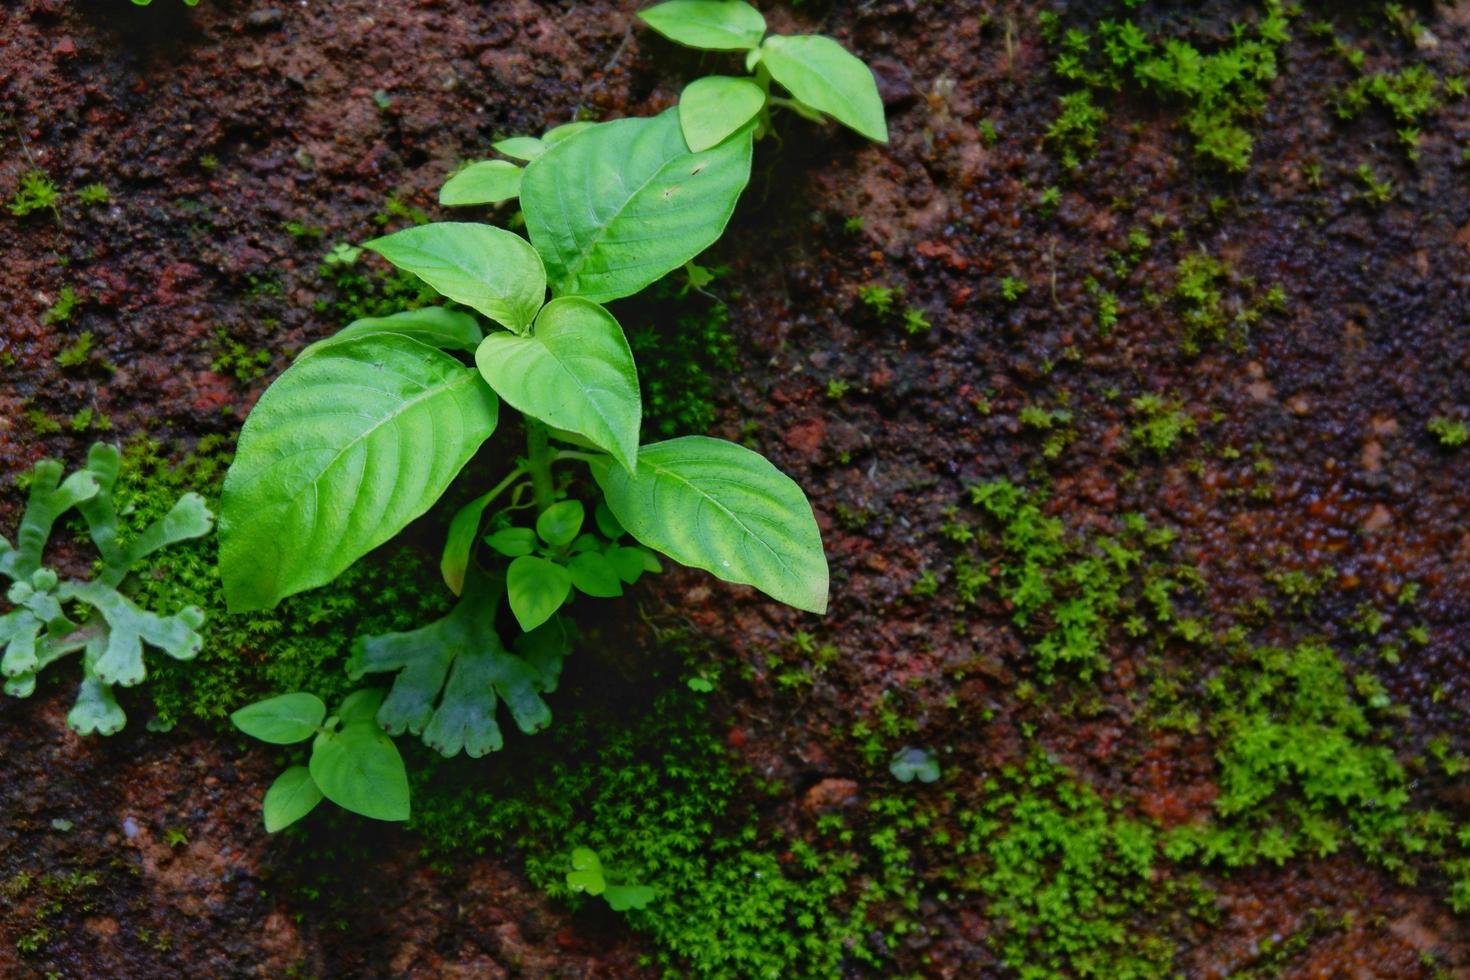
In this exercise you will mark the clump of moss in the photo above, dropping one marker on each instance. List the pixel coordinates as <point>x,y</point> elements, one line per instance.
<point>682,345</point>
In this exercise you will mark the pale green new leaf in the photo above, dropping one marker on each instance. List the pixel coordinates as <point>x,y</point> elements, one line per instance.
<point>715,25</point>
<point>346,448</point>
<point>575,371</point>
<point>359,769</point>
<point>826,76</point>
<point>484,182</point>
<point>718,506</point>
<point>714,107</point>
<point>292,796</point>
<point>621,898</point>
<point>536,589</point>
<point>487,269</point>
<point>626,202</point>
<point>525,148</point>
<point>433,325</point>
<point>282,720</point>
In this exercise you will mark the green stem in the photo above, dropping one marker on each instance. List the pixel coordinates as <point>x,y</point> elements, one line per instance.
<point>539,458</point>
<point>588,458</point>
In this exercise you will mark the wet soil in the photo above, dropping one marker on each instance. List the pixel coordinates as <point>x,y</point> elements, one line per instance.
<point>216,127</point>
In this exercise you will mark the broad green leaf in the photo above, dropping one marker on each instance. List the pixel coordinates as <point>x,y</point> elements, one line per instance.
<point>525,148</point>
<point>484,182</point>
<point>574,371</point>
<point>714,107</point>
<point>626,202</point>
<point>826,76</point>
<point>716,25</point>
<point>593,574</point>
<point>559,523</point>
<point>292,796</point>
<point>359,769</point>
<point>718,506</point>
<point>513,541</point>
<point>536,589</point>
<point>432,325</point>
<point>346,448</point>
<point>282,720</point>
<point>487,269</point>
<point>462,657</point>
<point>621,898</point>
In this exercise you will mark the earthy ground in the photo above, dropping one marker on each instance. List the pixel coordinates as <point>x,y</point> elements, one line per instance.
<point>239,140</point>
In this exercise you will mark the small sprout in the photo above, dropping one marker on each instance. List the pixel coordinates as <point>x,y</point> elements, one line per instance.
<point>989,135</point>
<point>853,225</point>
<point>588,877</point>
<point>209,163</point>
<point>877,298</point>
<point>36,191</point>
<point>837,388</point>
<point>61,310</point>
<point>909,764</point>
<point>700,684</point>
<point>1452,433</point>
<point>342,256</point>
<point>94,194</point>
<point>1012,289</point>
<point>914,321</point>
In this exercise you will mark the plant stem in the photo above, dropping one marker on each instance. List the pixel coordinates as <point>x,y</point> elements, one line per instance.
<point>562,454</point>
<point>538,461</point>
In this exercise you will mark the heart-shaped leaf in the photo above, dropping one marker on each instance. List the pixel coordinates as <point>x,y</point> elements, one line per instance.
<point>826,76</point>
<point>292,796</point>
<point>714,107</point>
<point>487,269</point>
<point>536,589</point>
<point>718,506</point>
<point>283,719</point>
<point>346,448</point>
<point>715,25</point>
<point>359,769</point>
<point>626,202</point>
<point>483,182</point>
<point>574,372</point>
<point>593,574</point>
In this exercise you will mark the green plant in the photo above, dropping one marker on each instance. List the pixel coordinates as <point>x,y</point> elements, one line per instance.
<point>587,875</point>
<point>1451,433</point>
<point>35,192</point>
<point>366,430</point>
<point>62,309</point>
<point>910,764</point>
<point>353,763</point>
<point>109,629</point>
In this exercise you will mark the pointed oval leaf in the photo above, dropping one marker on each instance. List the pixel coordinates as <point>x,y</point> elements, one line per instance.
<point>282,720</point>
<point>359,769</point>
<point>346,448</point>
<point>826,76</point>
<point>575,372</point>
<point>536,589</point>
<point>487,269</point>
<point>714,107</point>
<point>484,182</point>
<point>513,542</point>
<point>715,25</point>
<point>525,148</point>
<point>433,325</point>
<point>626,202</point>
<point>292,796</point>
<point>593,574</point>
<point>718,506</point>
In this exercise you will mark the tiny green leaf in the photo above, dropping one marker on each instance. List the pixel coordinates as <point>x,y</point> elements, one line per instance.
<point>484,182</point>
<point>521,147</point>
<point>574,372</point>
<point>621,898</point>
<point>292,796</point>
<point>715,25</point>
<point>433,325</point>
<point>909,764</point>
<point>595,575</point>
<point>536,589</point>
<point>714,107</point>
<point>487,269</point>
<point>359,769</point>
<point>826,76</point>
<point>626,202</point>
<point>586,874</point>
<point>513,542</point>
<point>558,524</point>
<point>283,719</point>
<point>718,506</point>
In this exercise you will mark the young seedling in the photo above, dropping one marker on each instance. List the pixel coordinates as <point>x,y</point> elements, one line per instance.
<point>588,876</point>
<point>353,763</point>
<point>53,617</point>
<point>909,764</point>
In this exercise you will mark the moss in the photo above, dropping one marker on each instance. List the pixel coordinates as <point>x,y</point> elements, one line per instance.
<point>682,345</point>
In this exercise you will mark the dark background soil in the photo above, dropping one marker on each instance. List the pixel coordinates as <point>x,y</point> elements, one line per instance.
<point>1336,391</point>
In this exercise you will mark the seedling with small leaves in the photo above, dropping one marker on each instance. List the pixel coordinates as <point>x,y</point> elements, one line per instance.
<point>353,762</point>
<point>53,617</point>
<point>589,877</point>
<point>910,764</point>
